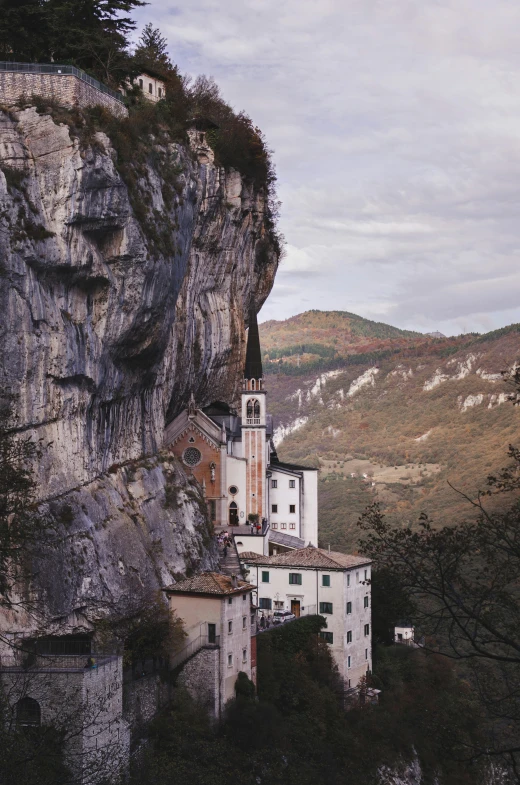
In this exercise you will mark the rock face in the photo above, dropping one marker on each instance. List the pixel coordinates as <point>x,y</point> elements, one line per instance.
<point>108,323</point>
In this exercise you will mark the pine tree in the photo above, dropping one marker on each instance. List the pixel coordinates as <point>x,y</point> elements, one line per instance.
<point>152,50</point>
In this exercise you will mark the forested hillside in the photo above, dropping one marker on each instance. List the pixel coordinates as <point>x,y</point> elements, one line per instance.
<point>400,425</point>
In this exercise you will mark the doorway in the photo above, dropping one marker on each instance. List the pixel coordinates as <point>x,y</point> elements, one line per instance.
<point>233,514</point>
<point>295,607</point>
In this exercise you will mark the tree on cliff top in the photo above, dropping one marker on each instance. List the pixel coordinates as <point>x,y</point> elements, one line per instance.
<point>152,51</point>
<point>92,34</point>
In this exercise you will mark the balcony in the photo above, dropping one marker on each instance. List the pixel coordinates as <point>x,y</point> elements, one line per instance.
<point>253,421</point>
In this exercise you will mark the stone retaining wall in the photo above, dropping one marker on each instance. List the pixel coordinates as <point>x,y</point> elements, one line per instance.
<point>201,677</point>
<point>64,89</point>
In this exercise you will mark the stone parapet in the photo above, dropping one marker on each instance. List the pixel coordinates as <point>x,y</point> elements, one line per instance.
<point>64,89</point>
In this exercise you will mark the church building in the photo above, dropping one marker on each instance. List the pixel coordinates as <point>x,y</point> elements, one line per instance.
<point>232,455</point>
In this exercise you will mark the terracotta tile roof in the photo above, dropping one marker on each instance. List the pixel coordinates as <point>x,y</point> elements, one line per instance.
<point>209,583</point>
<point>309,557</point>
<point>250,556</point>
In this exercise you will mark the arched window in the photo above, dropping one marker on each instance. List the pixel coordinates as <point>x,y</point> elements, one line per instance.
<point>28,712</point>
<point>253,411</point>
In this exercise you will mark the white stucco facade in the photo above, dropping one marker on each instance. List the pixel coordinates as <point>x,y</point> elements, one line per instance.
<point>313,581</point>
<point>153,88</point>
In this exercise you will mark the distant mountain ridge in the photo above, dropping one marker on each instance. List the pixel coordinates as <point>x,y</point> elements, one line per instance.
<point>387,418</point>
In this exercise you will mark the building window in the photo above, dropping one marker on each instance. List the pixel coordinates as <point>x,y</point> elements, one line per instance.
<point>283,526</point>
<point>327,636</point>
<point>141,83</point>
<point>348,579</point>
<point>348,661</point>
<point>159,91</point>
<point>244,655</point>
<point>349,636</point>
<point>230,627</point>
<point>367,629</point>
<point>253,412</point>
<point>365,601</point>
<point>278,604</point>
<point>292,483</point>
<point>366,654</point>
<point>253,384</point>
<point>230,601</point>
<point>28,712</point>
<point>292,526</point>
<point>150,87</point>
<point>265,577</point>
<point>357,577</point>
<point>274,526</point>
<point>191,456</point>
<point>274,483</point>
<point>274,508</point>
<point>366,575</point>
<point>325,580</point>
<point>295,578</point>
<point>230,660</point>
<point>349,607</point>
<point>325,607</point>
<point>233,490</point>
<point>212,633</point>
<point>292,508</point>
<point>244,622</point>
<point>264,603</point>
<point>244,597</point>
<point>212,509</point>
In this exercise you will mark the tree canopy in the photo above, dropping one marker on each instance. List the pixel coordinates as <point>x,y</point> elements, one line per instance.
<point>92,34</point>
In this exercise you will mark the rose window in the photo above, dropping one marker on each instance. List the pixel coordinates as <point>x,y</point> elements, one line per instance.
<point>192,456</point>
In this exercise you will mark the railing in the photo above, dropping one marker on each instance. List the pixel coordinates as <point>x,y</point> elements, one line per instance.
<point>56,662</point>
<point>202,641</point>
<point>261,532</point>
<point>252,420</point>
<point>38,68</point>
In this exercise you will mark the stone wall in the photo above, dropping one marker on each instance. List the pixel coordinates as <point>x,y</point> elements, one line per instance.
<point>201,675</point>
<point>142,699</point>
<point>86,704</point>
<point>64,89</point>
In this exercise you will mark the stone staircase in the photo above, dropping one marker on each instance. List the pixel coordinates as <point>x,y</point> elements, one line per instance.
<point>230,565</point>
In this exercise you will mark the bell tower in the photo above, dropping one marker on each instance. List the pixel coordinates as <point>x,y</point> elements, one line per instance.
<point>254,424</point>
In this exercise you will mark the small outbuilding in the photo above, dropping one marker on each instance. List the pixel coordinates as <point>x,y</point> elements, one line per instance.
<point>404,632</point>
<point>152,84</point>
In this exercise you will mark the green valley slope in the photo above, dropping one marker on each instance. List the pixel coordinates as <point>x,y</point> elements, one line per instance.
<point>391,415</point>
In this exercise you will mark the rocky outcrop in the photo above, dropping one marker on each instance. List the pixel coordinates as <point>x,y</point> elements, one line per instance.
<point>110,316</point>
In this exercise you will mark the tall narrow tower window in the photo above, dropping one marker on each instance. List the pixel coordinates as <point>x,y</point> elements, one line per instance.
<point>253,412</point>
<point>252,384</point>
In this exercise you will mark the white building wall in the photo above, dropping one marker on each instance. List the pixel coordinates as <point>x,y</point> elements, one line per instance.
<point>153,88</point>
<point>283,496</point>
<point>356,587</point>
<point>233,644</point>
<point>236,475</point>
<point>345,586</point>
<point>309,516</point>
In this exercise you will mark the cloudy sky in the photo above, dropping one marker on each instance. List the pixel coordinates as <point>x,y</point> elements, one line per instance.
<point>396,131</point>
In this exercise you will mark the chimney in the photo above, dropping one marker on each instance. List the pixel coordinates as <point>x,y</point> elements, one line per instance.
<point>234,582</point>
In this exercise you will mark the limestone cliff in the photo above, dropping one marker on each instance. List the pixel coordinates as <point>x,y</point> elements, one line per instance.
<point>108,322</point>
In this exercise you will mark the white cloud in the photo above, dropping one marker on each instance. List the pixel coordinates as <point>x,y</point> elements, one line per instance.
<point>395,128</point>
